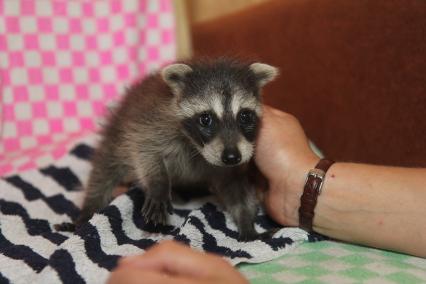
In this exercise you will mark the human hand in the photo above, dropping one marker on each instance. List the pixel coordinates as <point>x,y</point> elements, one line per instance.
<point>284,157</point>
<point>174,263</point>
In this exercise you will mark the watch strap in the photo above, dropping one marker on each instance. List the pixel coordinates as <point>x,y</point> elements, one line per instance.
<point>311,190</point>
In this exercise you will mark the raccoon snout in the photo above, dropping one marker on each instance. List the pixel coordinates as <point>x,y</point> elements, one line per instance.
<point>231,156</point>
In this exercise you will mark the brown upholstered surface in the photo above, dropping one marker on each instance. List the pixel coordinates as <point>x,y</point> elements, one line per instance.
<point>353,72</point>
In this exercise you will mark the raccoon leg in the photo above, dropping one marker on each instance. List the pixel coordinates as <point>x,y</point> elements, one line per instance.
<point>239,199</point>
<point>104,177</point>
<point>157,204</point>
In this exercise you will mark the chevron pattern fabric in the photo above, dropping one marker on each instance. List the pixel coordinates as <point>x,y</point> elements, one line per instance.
<point>32,202</point>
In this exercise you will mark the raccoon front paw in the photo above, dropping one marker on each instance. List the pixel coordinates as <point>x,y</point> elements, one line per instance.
<point>251,235</point>
<point>156,211</point>
<point>248,235</point>
<point>84,217</point>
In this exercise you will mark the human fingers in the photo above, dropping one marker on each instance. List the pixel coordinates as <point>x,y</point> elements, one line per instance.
<point>176,259</point>
<point>134,275</point>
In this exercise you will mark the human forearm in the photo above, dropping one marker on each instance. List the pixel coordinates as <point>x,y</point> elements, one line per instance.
<point>373,205</point>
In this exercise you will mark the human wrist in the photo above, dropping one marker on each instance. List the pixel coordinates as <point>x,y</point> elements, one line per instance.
<point>299,171</point>
<point>287,189</point>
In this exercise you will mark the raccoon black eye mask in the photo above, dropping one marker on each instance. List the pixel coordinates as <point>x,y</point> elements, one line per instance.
<point>189,124</point>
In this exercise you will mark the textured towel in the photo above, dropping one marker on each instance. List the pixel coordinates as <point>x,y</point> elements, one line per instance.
<point>33,201</point>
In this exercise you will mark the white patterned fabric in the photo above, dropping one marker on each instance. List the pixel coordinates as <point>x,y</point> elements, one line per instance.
<point>31,203</point>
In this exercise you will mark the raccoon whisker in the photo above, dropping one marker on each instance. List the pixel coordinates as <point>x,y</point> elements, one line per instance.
<point>193,154</point>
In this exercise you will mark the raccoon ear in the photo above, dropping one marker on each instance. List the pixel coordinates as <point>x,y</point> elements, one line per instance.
<point>264,73</point>
<point>174,74</point>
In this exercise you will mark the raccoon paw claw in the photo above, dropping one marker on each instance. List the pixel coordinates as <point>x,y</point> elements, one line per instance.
<point>156,211</point>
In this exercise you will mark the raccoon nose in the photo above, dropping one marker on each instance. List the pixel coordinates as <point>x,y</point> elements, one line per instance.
<point>231,156</point>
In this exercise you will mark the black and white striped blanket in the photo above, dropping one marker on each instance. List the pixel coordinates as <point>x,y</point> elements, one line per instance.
<point>32,202</point>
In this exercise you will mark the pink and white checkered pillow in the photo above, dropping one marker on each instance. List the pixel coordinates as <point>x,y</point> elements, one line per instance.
<point>62,62</point>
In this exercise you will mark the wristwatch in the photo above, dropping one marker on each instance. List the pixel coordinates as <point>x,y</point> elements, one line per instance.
<point>308,200</point>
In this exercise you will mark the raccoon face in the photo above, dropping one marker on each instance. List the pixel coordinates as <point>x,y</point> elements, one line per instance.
<point>223,141</point>
<point>219,105</point>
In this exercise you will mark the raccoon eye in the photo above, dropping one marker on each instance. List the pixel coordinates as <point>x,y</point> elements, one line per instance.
<point>205,119</point>
<point>246,117</point>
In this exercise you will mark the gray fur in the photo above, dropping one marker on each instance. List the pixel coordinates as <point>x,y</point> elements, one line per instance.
<point>150,140</point>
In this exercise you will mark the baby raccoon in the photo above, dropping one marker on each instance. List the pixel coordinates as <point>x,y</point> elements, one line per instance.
<point>192,124</point>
